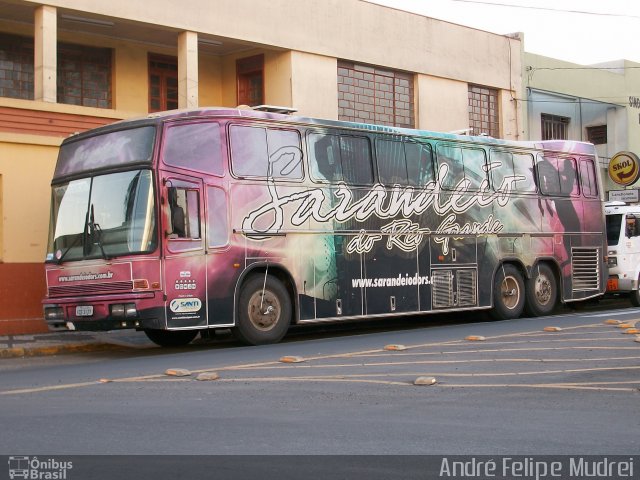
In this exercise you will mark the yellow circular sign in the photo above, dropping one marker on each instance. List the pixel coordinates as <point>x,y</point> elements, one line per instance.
<point>624,168</point>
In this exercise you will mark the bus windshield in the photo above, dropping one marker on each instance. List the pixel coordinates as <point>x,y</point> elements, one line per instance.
<point>103,217</point>
<point>119,148</point>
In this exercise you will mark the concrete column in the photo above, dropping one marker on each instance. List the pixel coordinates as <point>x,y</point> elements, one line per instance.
<point>45,54</point>
<point>187,70</point>
<point>313,85</point>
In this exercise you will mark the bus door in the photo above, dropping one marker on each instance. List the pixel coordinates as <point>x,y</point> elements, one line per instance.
<point>185,280</point>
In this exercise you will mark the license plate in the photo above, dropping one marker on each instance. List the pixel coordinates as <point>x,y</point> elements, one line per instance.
<point>612,284</point>
<point>84,310</point>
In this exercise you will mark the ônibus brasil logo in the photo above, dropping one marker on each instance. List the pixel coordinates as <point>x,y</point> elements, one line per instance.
<point>34,468</point>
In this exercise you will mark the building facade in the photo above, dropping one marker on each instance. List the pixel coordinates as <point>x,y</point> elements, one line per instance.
<point>71,65</point>
<point>597,103</point>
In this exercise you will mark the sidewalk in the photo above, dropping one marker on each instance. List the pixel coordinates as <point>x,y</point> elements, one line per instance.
<point>55,343</point>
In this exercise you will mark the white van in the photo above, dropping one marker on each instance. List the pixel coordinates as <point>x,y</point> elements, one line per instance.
<point>623,240</point>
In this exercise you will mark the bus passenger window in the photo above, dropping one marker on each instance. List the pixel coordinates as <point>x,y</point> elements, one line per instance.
<point>451,158</point>
<point>356,160</point>
<point>588,178</point>
<point>548,178</point>
<point>249,151</point>
<point>392,165</point>
<point>568,176</point>
<point>523,171</point>
<point>474,168</point>
<point>512,172</point>
<point>218,223</point>
<point>285,154</point>
<point>196,146</point>
<point>324,157</point>
<point>419,164</point>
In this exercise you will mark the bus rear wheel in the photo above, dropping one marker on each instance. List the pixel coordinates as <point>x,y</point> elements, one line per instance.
<point>264,311</point>
<point>541,292</point>
<point>171,338</point>
<point>508,293</point>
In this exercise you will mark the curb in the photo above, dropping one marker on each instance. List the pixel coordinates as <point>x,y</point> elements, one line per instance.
<point>15,352</point>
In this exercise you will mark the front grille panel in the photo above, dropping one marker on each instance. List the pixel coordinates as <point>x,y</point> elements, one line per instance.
<point>90,289</point>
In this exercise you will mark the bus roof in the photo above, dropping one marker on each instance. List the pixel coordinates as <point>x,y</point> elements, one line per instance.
<point>558,146</point>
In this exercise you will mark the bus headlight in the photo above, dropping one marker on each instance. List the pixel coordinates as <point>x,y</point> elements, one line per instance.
<point>612,261</point>
<point>124,310</point>
<point>130,310</point>
<point>117,310</point>
<point>54,313</point>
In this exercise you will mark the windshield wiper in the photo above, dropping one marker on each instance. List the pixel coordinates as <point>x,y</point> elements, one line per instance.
<point>82,236</point>
<point>73,244</point>
<point>95,232</point>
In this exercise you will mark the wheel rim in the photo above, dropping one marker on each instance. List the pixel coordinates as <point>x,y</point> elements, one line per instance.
<point>542,290</point>
<point>510,291</point>
<point>264,311</point>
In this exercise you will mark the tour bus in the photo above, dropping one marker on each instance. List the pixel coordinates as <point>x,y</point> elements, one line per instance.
<point>189,221</point>
<point>623,240</point>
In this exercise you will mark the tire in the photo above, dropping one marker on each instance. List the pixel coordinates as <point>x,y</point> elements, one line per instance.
<point>541,292</point>
<point>171,338</point>
<point>262,319</point>
<point>634,296</point>
<point>508,293</point>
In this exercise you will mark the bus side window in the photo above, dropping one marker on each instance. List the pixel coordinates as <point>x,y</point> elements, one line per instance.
<point>548,178</point>
<point>218,223</point>
<point>392,164</point>
<point>524,172</point>
<point>196,146</point>
<point>588,178</point>
<point>249,151</point>
<point>355,153</point>
<point>568,176</point>
<point>452,158</point>
<point>419,164</point>
<point>285,153</point>
<point>512,171</point>
<point>474,168</point>
<point>185,213</point>
<point>324,157</point>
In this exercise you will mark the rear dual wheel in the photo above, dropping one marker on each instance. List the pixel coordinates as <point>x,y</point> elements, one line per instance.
<point>537,296</point>
<point>541,292</point>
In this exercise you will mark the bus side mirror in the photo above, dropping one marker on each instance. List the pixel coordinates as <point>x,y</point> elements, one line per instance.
<point>631,226</point>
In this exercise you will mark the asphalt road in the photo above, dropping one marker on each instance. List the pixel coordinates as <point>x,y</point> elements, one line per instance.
<point>520,391</point>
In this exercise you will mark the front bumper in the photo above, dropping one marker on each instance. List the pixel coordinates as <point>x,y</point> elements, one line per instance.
<point>68,314</point>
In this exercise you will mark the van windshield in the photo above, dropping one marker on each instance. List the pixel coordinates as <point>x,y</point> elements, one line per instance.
<point>614,226</point>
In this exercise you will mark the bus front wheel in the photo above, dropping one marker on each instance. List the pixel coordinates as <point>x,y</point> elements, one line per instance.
<point>264,311</point>
<point>171,338</point>
<point>508,293</point>
<point>541,292</point>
